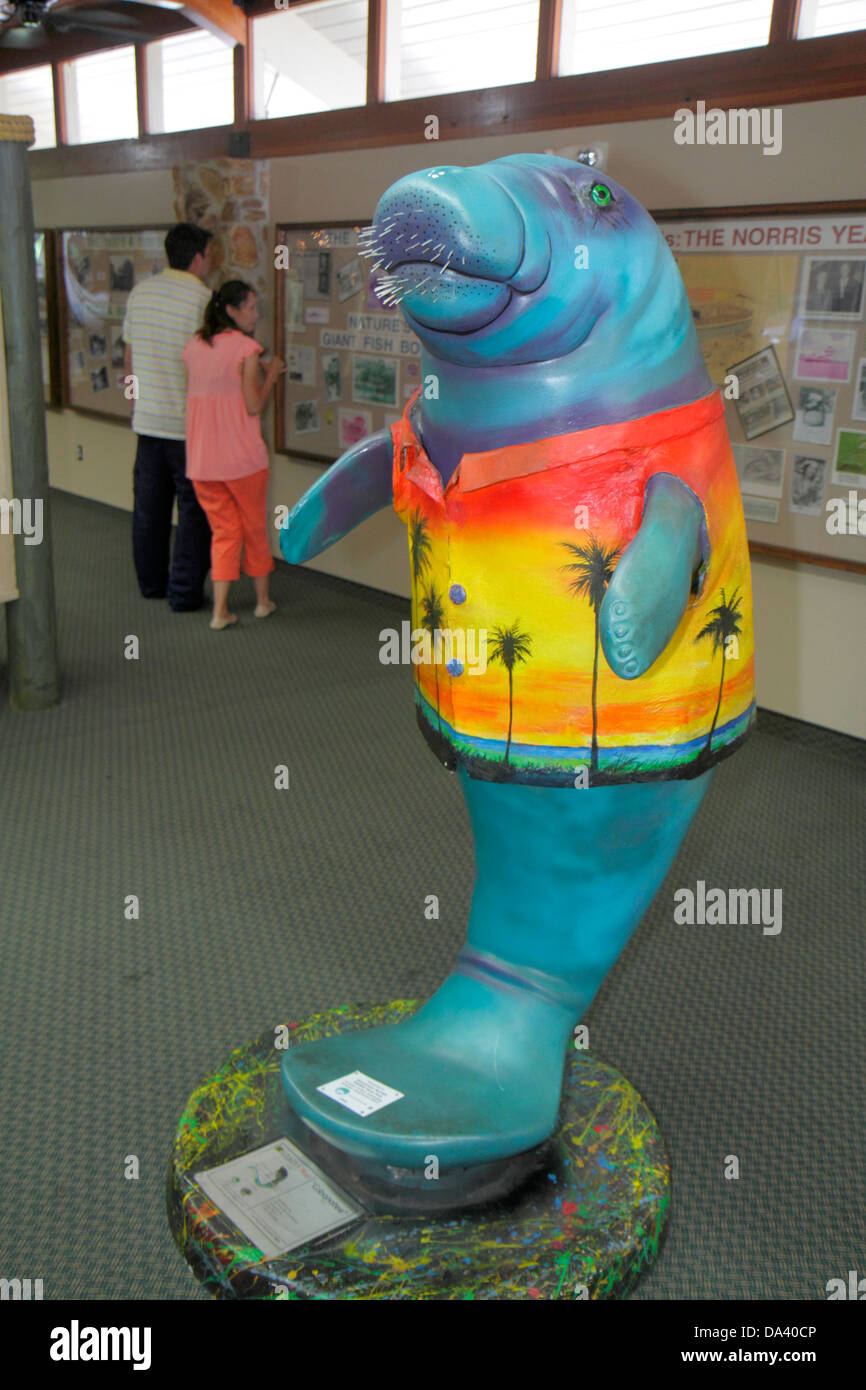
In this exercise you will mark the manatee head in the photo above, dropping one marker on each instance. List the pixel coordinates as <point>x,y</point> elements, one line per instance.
<point>524,259</point>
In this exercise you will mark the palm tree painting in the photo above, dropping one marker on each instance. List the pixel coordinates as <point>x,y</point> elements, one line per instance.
<point>592,568</point>
<point>419,548</point>
<point>509,646</point>
<point>724,623</point>
<point>431,619</point>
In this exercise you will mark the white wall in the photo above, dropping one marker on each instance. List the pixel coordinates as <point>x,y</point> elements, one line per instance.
<point>811,653</point>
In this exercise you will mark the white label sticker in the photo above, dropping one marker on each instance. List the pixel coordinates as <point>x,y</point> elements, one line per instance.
<point>277,1198</point>
<point>360,1093</point>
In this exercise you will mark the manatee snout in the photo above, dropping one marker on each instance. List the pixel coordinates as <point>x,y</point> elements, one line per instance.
<point>450,246</point>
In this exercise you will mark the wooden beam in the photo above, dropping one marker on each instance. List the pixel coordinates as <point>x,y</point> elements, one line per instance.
<point>63,47</point>
<point>131,156</point>
<point>774,75</point>
<point>57,80</point>
<point>377,16</point>
<point>549,32</point>
<point>52,276</point>
<point>804,557</point>
<point>221,17</point>
<point>784,21</point>
<point>243,80</point>
<point>142,94</point>
<point>786,73</point>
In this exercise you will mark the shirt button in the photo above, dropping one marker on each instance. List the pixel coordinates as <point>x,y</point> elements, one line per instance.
<point>457,593</point>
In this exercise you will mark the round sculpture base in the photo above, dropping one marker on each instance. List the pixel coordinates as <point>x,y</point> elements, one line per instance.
<point>584,1220</point>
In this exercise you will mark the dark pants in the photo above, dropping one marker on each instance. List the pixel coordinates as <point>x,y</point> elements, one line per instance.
<point>158,476</point>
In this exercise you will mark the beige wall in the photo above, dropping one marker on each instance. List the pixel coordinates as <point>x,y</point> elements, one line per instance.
<point>811,656</point>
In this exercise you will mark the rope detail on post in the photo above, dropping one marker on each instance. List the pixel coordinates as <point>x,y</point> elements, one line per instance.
<point>18,128</point>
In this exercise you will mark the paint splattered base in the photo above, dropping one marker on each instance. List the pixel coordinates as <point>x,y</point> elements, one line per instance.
<point>585,1225</point>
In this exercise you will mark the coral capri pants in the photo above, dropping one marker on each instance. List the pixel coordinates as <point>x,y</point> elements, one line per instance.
<point>236,512</point>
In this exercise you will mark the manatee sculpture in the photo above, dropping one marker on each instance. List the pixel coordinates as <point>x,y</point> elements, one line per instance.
<point>570,497</point>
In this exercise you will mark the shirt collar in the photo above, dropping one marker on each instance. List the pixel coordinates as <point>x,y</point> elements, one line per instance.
<point>519,460</point>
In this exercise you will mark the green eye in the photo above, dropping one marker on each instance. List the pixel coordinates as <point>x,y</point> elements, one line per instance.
<point>601,194</point>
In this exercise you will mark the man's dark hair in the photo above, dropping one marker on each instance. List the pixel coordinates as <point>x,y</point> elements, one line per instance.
<point>183,244</point>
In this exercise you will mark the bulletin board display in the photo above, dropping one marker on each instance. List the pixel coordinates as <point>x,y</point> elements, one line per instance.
<point>45,257</point>
<point>98,269</point>
<point>351,364</point>
<point>778,296</point>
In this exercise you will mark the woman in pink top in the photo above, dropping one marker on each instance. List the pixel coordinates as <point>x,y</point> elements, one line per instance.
<point>226,457</point>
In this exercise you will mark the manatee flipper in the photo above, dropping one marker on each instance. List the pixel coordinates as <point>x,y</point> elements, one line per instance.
<point>353,489</point>
<point>651,584</point>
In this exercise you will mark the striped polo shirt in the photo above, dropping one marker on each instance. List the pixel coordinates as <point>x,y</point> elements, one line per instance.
<point>162,314</point>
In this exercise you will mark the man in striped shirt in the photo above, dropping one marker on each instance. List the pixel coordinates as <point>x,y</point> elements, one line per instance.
<point>162,314</point>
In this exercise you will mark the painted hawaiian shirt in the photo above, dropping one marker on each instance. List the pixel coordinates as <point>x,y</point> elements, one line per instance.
<point>509,561</point>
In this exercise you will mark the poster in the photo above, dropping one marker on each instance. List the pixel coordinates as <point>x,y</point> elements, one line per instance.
<point>98,271</point>
<point>762,402</point>
<point>816,407</point>
<point>760,471</point>
<point>778,301</point>
<point>352,364</point>
<point>808,477</point>
<point>825,354</point>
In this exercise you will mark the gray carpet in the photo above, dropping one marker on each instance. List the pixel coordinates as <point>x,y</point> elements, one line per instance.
<point>156,777</point>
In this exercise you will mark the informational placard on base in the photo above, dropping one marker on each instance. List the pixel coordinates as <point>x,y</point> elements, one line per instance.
<point>277,1198</point>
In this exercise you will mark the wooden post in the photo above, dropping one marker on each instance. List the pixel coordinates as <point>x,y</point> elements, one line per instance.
<point>30,620</point>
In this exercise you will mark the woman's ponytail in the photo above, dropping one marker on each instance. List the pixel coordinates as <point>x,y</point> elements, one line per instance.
<point>216,319</point>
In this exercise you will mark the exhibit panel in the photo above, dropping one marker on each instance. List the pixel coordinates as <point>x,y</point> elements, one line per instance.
<point>778,297</point>
<point>352,362</point>
<point>98,269</point>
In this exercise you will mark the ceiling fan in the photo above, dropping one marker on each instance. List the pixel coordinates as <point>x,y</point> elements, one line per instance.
<point>34,23</point>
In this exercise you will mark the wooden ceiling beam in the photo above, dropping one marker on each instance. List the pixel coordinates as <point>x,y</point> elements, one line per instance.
<point>63,47</point>
<point>221,17</point>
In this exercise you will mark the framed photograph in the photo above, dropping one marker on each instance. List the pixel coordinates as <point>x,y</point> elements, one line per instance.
<point>350,279</point>
<point>778,300</point>
<point>307,417</point>
<point>762,402</point>
<point>354,425</point>
<point>813,420</point>
<point>760,471</point>
<point>301,364</point>
<point>825,354</point>
<point>849,464</point>
<point>808,480</point>
<point>374,380</point>
<point>858,405</point>
<point>833,287</point>
<point>761,509</point>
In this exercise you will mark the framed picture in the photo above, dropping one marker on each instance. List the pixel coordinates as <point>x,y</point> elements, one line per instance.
<point>833,287</point>
<point>97,269</point>
<point>762,399</point>
<point>778,300</point>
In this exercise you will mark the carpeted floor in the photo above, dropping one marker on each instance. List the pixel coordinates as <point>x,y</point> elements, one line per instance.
<point>155,777</point>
